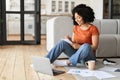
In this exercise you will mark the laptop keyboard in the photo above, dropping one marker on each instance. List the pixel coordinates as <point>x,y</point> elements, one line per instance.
<point>56,72</point>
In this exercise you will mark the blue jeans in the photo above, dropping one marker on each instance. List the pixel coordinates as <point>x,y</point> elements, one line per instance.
<point>81,55</point>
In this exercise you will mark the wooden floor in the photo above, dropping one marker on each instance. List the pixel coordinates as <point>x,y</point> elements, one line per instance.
<point>15,63</point>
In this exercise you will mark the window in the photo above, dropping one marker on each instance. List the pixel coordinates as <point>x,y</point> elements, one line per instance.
<point>72,5</point>
<point>106,9</point>
<point>19,15</point>
<point>59,6</point>
<point>53,6</point>
<point>116,7</point>
<point>66,6</point>
<point>111,9</point>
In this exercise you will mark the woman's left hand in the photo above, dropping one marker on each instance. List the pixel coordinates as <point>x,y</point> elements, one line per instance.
<point>68,37</point>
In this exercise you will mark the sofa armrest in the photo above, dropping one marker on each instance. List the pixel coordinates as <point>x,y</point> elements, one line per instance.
<point>57,28</point>
<point>118,44</point>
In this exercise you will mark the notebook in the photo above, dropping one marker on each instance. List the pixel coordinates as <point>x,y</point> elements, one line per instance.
<point>43,65</point>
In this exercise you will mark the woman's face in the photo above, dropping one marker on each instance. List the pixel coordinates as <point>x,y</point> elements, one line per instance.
<point>78,19</point>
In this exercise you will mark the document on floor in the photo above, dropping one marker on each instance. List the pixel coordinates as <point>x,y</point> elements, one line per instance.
<point>107,68</point>
<point>88,73</point>
<point>102,75</point>
<point>84,73</point>
<point>74,71</point>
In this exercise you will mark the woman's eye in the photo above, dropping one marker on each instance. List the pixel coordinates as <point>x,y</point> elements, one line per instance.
<point>77,18</point>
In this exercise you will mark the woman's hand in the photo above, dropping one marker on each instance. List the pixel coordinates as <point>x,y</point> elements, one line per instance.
<point>75,45</point>
<point>68,37</point>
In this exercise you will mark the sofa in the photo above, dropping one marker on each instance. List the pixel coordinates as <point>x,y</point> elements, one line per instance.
<point>109,39</point>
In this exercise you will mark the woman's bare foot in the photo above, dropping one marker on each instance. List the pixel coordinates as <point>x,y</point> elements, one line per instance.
<point>68,62</point>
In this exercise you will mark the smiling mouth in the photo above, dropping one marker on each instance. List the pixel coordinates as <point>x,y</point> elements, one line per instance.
<point>79,23</point>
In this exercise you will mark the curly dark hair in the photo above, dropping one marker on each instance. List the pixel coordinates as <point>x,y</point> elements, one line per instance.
<point>85,12</point>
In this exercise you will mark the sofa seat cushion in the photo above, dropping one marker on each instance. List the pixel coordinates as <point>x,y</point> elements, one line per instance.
<point>107,46</point>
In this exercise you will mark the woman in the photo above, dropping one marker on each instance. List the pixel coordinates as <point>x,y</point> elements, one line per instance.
<point>84,39</point>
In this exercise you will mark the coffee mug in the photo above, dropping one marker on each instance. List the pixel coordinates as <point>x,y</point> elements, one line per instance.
<point>90,64</point>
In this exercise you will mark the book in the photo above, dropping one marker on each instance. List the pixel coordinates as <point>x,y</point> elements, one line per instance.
<point>68,41</point>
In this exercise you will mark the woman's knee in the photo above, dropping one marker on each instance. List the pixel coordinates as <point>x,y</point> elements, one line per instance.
<point>60,42</point>
<point>86,46</point>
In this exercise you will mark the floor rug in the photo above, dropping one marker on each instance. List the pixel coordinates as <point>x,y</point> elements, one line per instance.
<point>99,66</point>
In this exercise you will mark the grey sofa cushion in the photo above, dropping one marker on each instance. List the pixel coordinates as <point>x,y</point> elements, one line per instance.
<point>109,26</point>
<point>97,23</point>
<point>107,46</point>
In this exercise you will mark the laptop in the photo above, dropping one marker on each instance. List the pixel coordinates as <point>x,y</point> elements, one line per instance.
<point>43,65</point>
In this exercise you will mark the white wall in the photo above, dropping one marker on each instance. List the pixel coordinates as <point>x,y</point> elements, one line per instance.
<point>97,6</point>
<point>48,7</point>
<point>82,2</point>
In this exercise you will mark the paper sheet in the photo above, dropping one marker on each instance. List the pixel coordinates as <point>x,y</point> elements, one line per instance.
<point>67,40</point>
<point>74,71</point>
<point>84,73</point>
<point>103,75</point>
<point>87,73</point>
<point>107,68</point>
